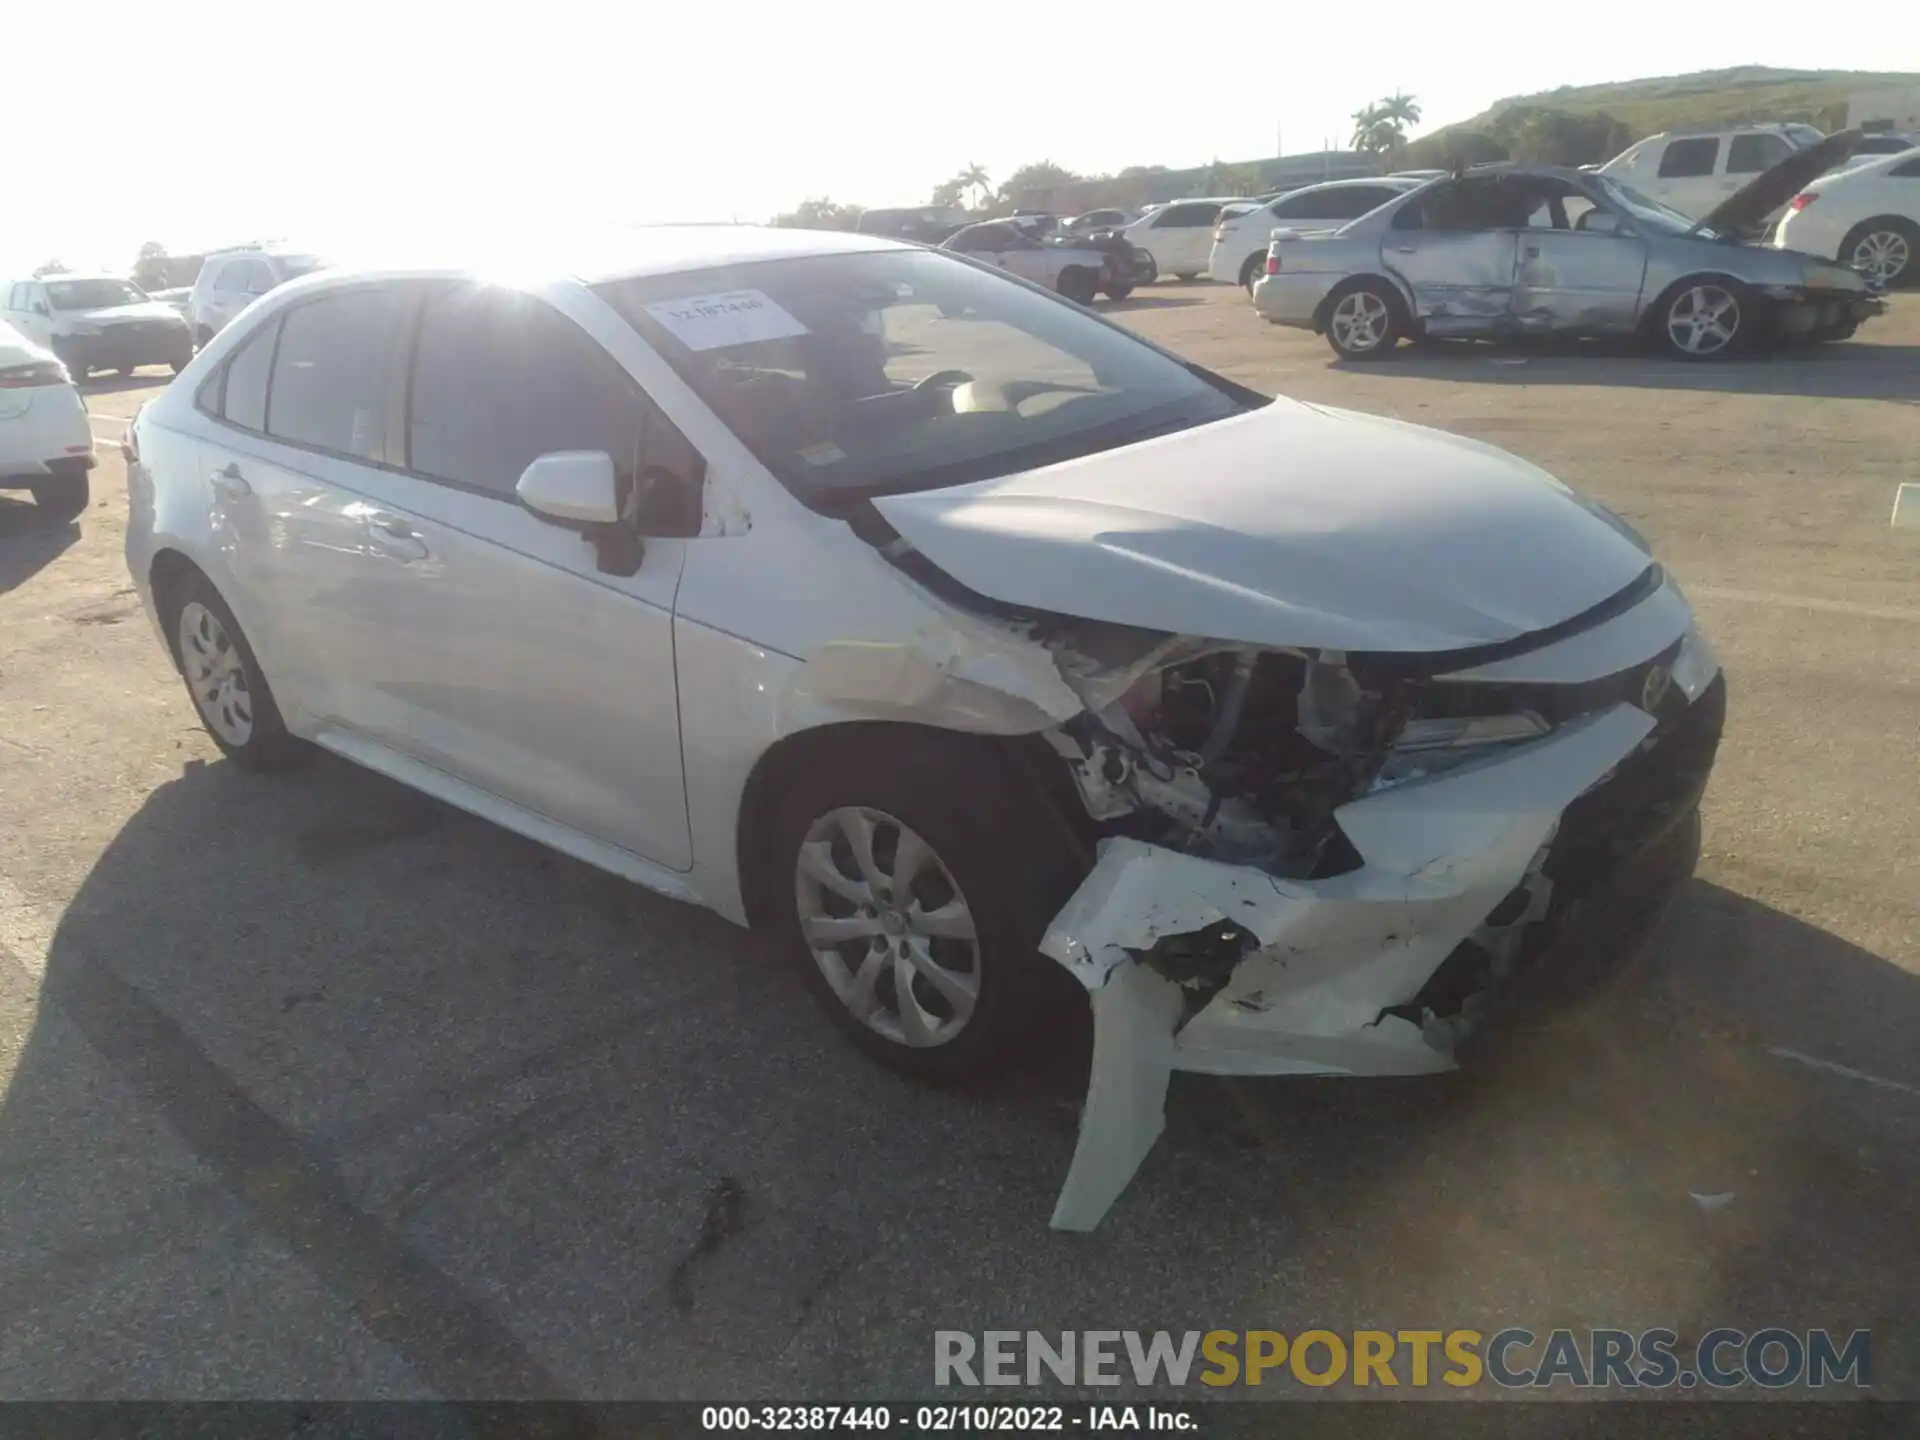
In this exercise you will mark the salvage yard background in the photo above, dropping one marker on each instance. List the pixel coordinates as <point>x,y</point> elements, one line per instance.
<point>316,1088</point>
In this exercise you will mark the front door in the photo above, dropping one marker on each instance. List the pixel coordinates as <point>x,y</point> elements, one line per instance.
<point>1569,277</point>
<point>532,673</point>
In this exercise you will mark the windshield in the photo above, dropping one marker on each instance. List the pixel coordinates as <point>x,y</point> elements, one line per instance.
<point>876,373</point>
<point>92,294</point>
<point>1648,212</point>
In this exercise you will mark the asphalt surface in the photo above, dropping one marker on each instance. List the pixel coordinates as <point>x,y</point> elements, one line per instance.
<point>315,1088</point>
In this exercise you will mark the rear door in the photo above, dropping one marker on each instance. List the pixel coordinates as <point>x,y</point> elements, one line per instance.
<point>305,406</point>
<point>1455,251</point>
<point>529,672</point>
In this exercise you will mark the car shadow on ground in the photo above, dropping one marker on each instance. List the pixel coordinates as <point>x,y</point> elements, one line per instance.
<point>113,384</point>
<point>1849,370</point>
<point>29,540</point>
<point>1150,302</point>
<point>316,1059</point>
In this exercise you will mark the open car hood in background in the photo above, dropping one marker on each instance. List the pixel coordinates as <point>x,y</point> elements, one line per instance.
<point>1747,208</point>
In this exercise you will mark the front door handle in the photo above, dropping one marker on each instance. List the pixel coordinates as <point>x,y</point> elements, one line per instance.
<point>1533,252</point>
<point>393,536</point>
<point>229,483</point>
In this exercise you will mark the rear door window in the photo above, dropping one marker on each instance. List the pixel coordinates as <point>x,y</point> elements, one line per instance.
<point>1685,159</point>
<point>1750,154</point>
<point>333,374</point>
<point>1186,216</point>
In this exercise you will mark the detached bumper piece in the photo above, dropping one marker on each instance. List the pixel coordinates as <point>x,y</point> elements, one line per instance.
<point>1196,965</point>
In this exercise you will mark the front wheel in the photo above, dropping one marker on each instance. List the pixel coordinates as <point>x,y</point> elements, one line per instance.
<point>1706,319</point>
<point>918,899</point>
<point>1365,322</point>
<point>1118,291</point>
<point>224,678</point>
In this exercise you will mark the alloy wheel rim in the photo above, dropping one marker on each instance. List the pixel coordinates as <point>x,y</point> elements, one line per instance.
<point>1703,319</point>
<point>1883,254</point>
<point>886,923</point>
<point>216,675</point>
<point>1360,320</point>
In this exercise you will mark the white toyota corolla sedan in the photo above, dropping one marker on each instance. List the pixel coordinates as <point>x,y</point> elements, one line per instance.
<point>954,632</point>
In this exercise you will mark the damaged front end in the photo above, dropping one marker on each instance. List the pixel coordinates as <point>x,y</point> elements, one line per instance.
<point>1318,863</point>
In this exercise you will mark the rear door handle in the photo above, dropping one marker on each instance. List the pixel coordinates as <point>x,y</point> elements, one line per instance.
<point>229,483</point>
<point>1533,252</point>
<point>393,536</point>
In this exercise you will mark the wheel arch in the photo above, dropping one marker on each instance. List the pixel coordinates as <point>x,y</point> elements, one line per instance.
<point>1027,761</point>
<point>1652,313</point>
<point>166,574</point>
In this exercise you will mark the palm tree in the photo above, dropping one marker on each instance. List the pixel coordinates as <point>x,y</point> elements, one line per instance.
<point>974,178</point>
<point>1400,108</point>
<point>1366,125</point>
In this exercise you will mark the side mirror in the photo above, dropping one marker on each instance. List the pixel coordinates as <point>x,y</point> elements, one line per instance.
<point>572,486</point>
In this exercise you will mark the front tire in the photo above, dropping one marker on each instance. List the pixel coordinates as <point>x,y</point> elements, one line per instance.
<point>1365,321</point>
<point>63,497</point>
<point>1078,284</point>
<point>1706,318</point>
<point>224,679</point>
<point>915,879</point>
<point>1886,249</point>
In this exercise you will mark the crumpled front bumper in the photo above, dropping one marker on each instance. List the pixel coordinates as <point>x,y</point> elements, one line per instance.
<point>1337,975</point>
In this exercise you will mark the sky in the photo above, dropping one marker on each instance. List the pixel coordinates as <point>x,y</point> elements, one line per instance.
<point>343,124</point>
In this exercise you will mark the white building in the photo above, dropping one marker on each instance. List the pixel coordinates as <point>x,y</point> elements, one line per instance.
<point>1897,110</point>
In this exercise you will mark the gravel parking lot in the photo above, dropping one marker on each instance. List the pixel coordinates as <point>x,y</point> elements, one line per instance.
<point>317,1088</point>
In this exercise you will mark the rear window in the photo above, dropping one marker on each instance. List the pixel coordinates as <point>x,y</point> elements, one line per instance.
<point>908,370</point>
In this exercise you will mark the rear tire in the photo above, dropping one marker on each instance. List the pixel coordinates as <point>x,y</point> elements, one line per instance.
<point>77,369</point>
<point>1251,272</point>
<point>1888,248</point>
<point>1078,284</point>
<point>988,872</point>
<point>63,496</point>
<point>1365,320</point>
<point>223,677</point>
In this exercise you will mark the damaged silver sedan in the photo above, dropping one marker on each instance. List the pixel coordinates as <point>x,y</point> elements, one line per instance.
<point>1513,250</point>
<point>958,635</point>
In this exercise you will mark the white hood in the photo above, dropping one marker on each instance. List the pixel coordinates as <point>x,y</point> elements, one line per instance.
<point>120,314</point>
<point>1292,525</point>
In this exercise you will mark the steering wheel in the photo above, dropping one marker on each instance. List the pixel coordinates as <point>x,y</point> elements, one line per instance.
<point>948,378</point>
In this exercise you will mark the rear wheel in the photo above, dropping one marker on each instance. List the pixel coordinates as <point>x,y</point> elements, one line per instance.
<point>1251,272</point>
<point>1886,249</point>
<point>224,678</point>
<point>62,496</point>
<point>1078,284</point>
<point>125,372</point>
<point>77,368</point>
<point>1365,321</point>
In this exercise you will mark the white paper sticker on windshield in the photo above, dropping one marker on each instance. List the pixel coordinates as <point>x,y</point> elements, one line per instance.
<point>711,322</point>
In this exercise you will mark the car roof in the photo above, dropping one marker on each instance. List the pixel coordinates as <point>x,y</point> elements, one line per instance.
<point>613,255</point>
<point>83,275</point>
<point>1397,182</point>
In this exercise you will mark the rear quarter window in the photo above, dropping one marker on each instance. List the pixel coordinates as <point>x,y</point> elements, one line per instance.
<point>332,382</point>
<point>1685,159</point>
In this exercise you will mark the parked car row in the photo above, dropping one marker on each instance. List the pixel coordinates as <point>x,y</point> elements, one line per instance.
<point>106,322</point>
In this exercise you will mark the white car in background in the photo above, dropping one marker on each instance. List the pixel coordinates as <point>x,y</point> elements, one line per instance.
<point>964,639</point>
<point>231,280</point>
<point>1692,172</point>
<point>97,322</point>
<point>1179,234</point>
<point>1866,215</point>
<point>46,445</point>
<point>1239,253</point>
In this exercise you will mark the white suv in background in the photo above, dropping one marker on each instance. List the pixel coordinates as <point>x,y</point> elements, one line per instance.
<point>1866,215</point>
<point>1240,241</point>
<point>1694,172</point>
<point>231,280</point>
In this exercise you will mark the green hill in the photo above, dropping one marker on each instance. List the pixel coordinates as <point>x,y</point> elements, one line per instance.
<point>1578,124</point>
